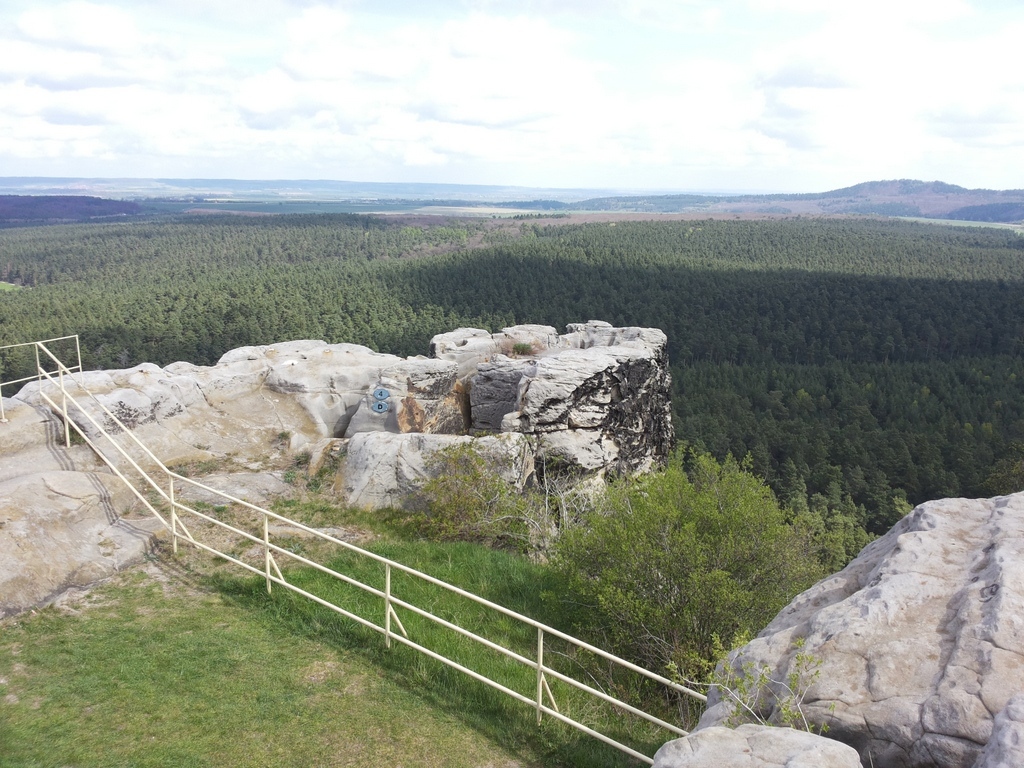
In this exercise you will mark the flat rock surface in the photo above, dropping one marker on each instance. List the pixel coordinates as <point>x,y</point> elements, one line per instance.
<point>259,488</point>
<point>62,529</point>
<point>920,638</point>
<point>755,746</point>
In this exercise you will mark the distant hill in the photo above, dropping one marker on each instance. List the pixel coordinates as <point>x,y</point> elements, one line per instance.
<point>899,197</point>
<point>32,209</point>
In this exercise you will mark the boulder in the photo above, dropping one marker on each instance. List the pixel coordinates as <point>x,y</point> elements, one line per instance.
<point>755,746</point>
<point>597,397</point>
<point>920,638</point>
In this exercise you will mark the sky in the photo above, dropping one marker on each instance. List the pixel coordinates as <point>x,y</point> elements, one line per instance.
<point>708,95</point>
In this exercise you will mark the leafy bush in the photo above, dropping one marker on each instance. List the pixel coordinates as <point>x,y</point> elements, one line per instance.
<point>676,564</point>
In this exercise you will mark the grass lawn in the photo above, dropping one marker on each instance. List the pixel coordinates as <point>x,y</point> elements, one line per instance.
<point>172,665</point>
<point>151,672</point>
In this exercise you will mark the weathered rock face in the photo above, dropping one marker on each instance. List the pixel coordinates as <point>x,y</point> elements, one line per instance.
<point>920,638</point>
<point>755,746</point>
<point>596,397</point>
<point>1005,748</point>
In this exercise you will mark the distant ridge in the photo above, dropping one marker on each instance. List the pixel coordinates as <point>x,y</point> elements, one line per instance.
<point>897,197</point>
<point>55,199</point>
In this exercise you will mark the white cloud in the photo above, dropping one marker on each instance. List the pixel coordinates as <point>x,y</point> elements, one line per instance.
<point>615,92</point>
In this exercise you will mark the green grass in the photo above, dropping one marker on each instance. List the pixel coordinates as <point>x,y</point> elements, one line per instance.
<point>143,678</point>
<point>190,670</point>
<point>8,287</point>
<point>507,579</point>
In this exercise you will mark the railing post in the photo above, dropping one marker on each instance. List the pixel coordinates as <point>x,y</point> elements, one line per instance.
<point>64,407</point>
<point>540,672</point>
<point>387,605</point>
<point>266,549</point>
<point>174,515</point>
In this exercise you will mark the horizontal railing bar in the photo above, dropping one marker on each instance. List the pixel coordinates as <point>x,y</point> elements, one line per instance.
<point>524,699</point>
<point>279,549</point>
<point>455,665</point>
<point>20,381</point>
<point>324,603</point>
<point>591,732</point>
<point>532,663</point>
<point>35,343</point>
<point>612,700</point>
<point>313,564</point>
<point>290,586</point>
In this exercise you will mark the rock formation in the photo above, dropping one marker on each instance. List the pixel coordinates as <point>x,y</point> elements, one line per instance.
<point>1005,748</point>
<point>593,400</point>
<point>920,639</point>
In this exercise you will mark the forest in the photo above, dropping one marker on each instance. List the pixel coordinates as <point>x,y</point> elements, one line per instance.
<point>860,365</point>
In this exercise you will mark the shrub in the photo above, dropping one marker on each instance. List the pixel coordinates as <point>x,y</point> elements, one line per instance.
<point>677,564</point>
<point>467,500</point>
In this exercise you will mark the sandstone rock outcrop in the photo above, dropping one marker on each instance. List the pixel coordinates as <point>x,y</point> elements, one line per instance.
<point>755,746</point>
<point>596,398</point>
<point>593,400</point>
<point>920,639</point>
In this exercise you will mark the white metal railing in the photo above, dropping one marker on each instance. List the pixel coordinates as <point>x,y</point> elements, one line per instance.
<point>34,377</point>
<point>174,482</point>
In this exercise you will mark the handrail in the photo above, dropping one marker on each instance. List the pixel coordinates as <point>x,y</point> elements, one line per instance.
<point>78,367</point>
<point>273,574</point>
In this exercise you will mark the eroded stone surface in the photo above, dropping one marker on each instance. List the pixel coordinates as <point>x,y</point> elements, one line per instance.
<point>920,638</point>
<point>755,746</point>
<point>1005,748</point>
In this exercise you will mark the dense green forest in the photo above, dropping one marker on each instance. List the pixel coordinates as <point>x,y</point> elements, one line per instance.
<point>862,364</point>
